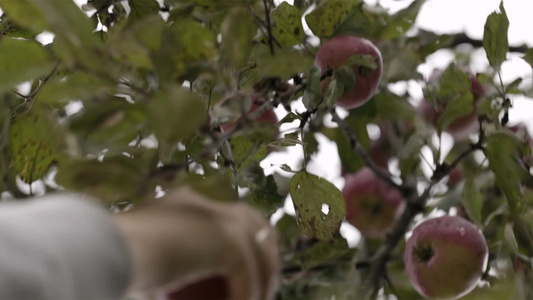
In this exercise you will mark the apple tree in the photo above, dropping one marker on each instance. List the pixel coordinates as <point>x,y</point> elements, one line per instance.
<point>130,98</point>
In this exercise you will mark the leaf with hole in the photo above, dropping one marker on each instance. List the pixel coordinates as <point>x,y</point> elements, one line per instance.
<point>309,193</point>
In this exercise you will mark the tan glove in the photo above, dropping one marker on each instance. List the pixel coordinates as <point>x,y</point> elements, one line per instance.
<point>185,238</point>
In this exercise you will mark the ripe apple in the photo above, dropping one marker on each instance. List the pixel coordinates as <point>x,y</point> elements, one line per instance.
<point>213,288</point>
<point>372,206</point>
<point>461,127</point>
<point>455,176</point>
<point>445,257</point>
<point>336,52</point>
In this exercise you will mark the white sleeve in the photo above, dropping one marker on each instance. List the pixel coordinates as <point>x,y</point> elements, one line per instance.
<point>61,247</point>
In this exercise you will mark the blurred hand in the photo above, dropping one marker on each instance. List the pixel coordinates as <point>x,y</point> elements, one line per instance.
<point>187,242</point>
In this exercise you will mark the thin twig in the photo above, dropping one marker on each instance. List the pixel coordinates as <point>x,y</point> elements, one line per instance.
<point>364,155</point>
<point>269,27</point>
<point>169,170</point>
<point>461,38</point>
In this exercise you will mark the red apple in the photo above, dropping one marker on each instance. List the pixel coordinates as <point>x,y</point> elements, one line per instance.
<point>212,288</point>
<point>372,206</point>
<point>455,176</point>
<point>336,52</point>
<point>462,127</point>
<point>445,257</point>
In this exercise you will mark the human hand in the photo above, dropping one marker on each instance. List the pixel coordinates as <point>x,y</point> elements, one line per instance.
<point>185,238</point>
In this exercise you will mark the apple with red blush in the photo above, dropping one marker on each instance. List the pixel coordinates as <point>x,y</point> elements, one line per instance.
<point>372,205</point>
<point>445,257</point>
<point>336,52</point>
<point>462,127</point>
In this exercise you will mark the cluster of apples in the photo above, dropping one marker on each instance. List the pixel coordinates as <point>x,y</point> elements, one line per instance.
<point>438,247</point>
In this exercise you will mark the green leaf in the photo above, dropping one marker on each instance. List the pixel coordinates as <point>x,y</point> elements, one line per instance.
<point>528,57</point>
<point>311,144</point>
<point>237,30</point>
<point>290,117</point>
<point>472,201</point>
<point>197,47</point>
<point>217,5</point>
<point>345,76</point>
<point>352,162</point>
<point>10,29</point>
<point>328,16</point>
<point>333,92</point>
<point>502,151</point>
<point>363,60</point>
<point>288,140</point>
<point>510,239</point>
<point>455,109</point>
<point>25,13</point>
<point>266,197</point>
<point>247,149</point>
<point>288,233</point>
<point>390,106</point>
<point>287,28</point>
<point>356,22</point>
<point>285,64</point>
<point>110,125</point>
<point>513,87</point>
<point>22,60</point>
<point>309,192</point>
<point>75,86</point>
<point>37,141</point>
<point>142,8</point>
<point>116,178</point>
<point>495,37</point>
<point>323,252</point>
<point>403,61</point>
<point>231,108</point>
<point>401,21</point>
<point>176,113</point>
<point>251,175</point>
<point>313,90</point>
<point>451,93</point>
<point>214,186</point>
<point>73,40</point>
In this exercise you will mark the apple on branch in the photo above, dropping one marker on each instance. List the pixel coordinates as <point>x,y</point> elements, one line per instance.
<point>463,126</point>
<point>372,206</point>
<point>337,52</point>
<point>445,257</point>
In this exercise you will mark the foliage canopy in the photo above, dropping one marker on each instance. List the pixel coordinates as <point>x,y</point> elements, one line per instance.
<point>146,77</point>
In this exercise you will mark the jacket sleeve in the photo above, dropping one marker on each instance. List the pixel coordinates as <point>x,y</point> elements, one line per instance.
<point>61,247</point>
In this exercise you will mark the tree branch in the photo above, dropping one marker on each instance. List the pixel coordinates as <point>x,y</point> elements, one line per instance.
<point>364,155</point>
<point>269,27</point>
<point>462,38</point>
<point>415,205</point>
